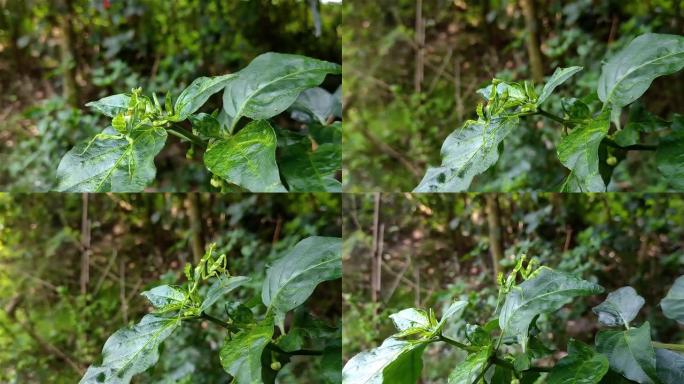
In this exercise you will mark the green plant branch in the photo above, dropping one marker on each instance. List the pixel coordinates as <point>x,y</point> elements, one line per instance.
<point>456,344</point>
<point>482,373</point>
<point>552,116</point>
<point>219,322</point>
<point>299,352</point>
<point>186,135</point>
<point>672,347</point>
<point>234,329</point>
<point>634,147</point>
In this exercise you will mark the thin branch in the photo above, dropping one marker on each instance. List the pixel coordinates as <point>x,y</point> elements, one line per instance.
<point>551,116</point>
<point>482,373</point>
<point>634,147</point>
<point>186,135</point>
<point>219,322</point>
<point>672,347</point>
<point>299,352</point>
<point>456,344</point>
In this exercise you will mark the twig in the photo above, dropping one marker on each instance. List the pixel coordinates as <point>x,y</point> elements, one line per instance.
<point>388,150</point>
<point>186,135</point>
<point>219,322</point>
<point>85,245</point>
<point>551,116</point>
<point>300,352</point>
<point>456,344</point>
<point>633,147</point>
<point>672,347</point>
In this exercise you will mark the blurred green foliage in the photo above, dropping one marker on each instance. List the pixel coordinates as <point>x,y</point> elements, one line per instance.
<point>393,131</point>
<point>51,328</point>
<point>109,47</point>
<point>436,249</point>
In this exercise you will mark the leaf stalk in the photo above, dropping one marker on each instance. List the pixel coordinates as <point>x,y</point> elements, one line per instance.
<point>186,135</point>
<point>672,347</point>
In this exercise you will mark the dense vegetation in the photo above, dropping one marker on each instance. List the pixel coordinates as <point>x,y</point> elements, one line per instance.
<point>73,269</point>
<point>428,252</point>
<point>121,157</point>
<point>56,56</point>
<point>413,70</point>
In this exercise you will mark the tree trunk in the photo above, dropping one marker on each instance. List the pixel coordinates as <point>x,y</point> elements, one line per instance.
<point>495,233</point>
<point>85,245</point>
<point>420,48</point>
<point>376,262</point>
<point>192,204</point>
<point>69,89</point>
<point>533,51</point>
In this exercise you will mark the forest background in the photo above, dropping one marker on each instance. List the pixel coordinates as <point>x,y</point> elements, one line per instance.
<point>55,56</point>
<point>429,250</point>
<point>412,68</point>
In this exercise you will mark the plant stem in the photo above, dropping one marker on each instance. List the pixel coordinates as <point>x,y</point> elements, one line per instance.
<point>634,147</point>
<point>457,344</point>
<point>672,347</point>
<point>482,373</point>
<point>299,352</point>
<point>508,365</point>
<point>551,116</point>
<point>186,135</point>
<point>219,322</point>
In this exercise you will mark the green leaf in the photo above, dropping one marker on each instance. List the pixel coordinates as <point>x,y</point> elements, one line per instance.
<point>673,303</point>
<point>560,76</point>
<point>327,134</point>
<point>467,152</point>
<point>197,93</point>
<point>582,365</point>
<point>395,361</point>
<point>670,154</point>
<point>292,278</point>
<point>579,152</point>
<point>412,321</point>
<point>629,73</point>
<point>471,368</point>
<point>315,103</point>
<point>509,94</point>
<point>410,318</point>
<point>331,365</point>
<point>112,163</point>
<point>119,123</point>
<point>501,375</point>
<point>575,109</point>
<point>305,329</point>
<point>613,377</point>
<point>545,292</point>
<point>669,366</point>
<point>620,307</point>
<point>220,287</point>
<point>130,351</point>
<point>271,83</point>
<point>643,121</point>
<point>247,159</point>
<point>206,126</point>
<point>241,355</point>
<point>168,105</point>
<point>111,105</point>
<point>337,102</point>
<point>521,362</point>
<point>627,136</point>
<point>630,353</point>
<point>308,170</point>
<point>165,297</point>
<point>453,310</point>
